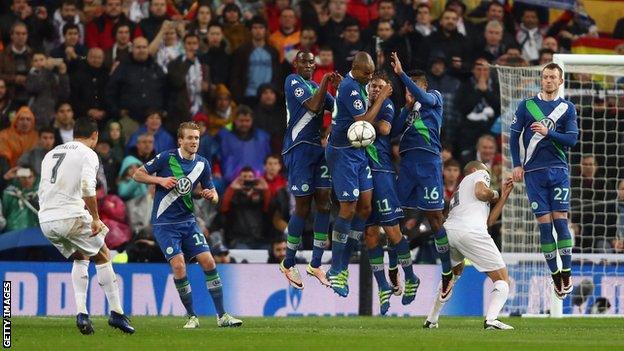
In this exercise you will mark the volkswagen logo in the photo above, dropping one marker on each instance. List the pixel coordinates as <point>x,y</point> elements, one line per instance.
<point>184,186</point>
<point>549,123</point>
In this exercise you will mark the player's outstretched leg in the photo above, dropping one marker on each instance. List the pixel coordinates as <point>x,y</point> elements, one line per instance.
<point>287,266</point>
<point>108,281</point>
<point>498,297</point>
<point>355,235</point>
<point>443,249</point>
<point>183,286</point>
<point>340,233</point>
<point>215,288</point>
<point>564,245</point>
<point>434,315</point>
<point>393,270</point>
<point>549,248</point>
<point>375,258</point>
<point>321,228</point>
<point>404,258</point>
<point>80,282</point>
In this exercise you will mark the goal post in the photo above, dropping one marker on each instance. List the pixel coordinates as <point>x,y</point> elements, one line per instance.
<point>595,84</point>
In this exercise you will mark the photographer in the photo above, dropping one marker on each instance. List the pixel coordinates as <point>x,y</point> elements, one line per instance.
<point>20,202</point>
<point>46,87</point>
<point>244,208</point>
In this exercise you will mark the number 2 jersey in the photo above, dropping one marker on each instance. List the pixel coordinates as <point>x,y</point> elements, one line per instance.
<point>68,173</point>
<point>467,213</point>
<point>176,205</point>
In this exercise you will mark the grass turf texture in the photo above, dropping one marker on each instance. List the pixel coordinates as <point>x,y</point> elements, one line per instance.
<point>323,333</point>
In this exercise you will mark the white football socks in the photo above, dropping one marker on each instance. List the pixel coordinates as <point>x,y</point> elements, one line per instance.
<point>108,281</point>
<point>80,282</point>
<point>498,297</point>
<point>434,314</point>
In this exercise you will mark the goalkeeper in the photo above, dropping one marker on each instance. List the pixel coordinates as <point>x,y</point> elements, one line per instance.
<point>545,125</point>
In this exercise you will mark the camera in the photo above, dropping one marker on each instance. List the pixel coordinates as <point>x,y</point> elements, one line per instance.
<point>250,183</point>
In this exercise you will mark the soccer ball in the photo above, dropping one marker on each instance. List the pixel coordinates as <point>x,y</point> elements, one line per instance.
<point>361,134</point>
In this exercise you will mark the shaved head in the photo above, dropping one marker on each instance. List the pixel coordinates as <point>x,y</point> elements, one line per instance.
<point>474,166</point>
<point>363,67</point>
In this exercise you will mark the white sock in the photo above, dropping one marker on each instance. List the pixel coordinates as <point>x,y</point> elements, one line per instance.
<point>434,314</point>
<point>80,281</point>
<point>108,281</point>
<point>498,297</point>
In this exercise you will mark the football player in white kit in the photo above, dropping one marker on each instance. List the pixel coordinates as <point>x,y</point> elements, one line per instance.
<point>466,227</point>
<point>68,181</point>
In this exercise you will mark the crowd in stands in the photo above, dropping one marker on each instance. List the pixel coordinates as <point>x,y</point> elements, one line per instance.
<point>141,67</point>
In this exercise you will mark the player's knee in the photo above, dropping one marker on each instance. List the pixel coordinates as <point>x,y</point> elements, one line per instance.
<point>302,211</point>
<point>178,267</point>
<point>365,210</point>
<point>347,210</point>
<point>371,238</point>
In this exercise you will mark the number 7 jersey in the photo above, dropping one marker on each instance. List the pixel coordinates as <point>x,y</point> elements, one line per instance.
<point>68,173</point>
<point>467,213</point>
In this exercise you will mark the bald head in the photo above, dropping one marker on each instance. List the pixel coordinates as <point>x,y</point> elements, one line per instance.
<point>139,49</point>
<point>363,67</point>
<point>474,166</point>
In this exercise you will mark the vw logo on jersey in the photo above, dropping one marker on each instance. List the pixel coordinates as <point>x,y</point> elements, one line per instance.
<point>184,186</point>
<point>549,123</point>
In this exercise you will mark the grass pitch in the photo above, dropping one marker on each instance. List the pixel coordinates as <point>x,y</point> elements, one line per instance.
<point>323,333</point>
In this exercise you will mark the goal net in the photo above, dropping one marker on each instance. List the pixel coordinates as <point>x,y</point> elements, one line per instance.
<point>595,84</point>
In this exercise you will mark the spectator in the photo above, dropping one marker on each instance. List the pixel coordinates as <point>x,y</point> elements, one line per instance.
<point>512,57</point>
<point>332,30</point>
<point>244,207</point>
<point>479,104</point>
<point>223,112</point>
<point>451,173</point>
<point>494,47</point>
<point>116,139</point>
<point>438,79</point>
<point>7,105</point>
<point>143,247</point>
<point>46,87</point>
<point>221,253</point>
<point>447,41</point>
<point>307,42</point>
<point>325,65</point>
<point>351,43</point>
<point>423,25</point>
<point>582,26</point>
<point>465,28</point>
<point>270,115</point>
<point>136,86</point>
<point>496,12</point>
<point>35,19</point>
<point>112,211</point>
<point>109,164</point>
<point>234,30</point>
<point>529,35</point>
<point>244,145</point>
<point>387,41</point>
<point>71,51</point>
<point>122,46</point>
<point>63,123</point>
<point>88,87</point>
<point>272,174</point>
<point>150,26</point>
<point>200,26</point>
<point>187,80</point>
<point>277,251</point>
<point>386,10</point>
<point>216,56</point>
<point>15,62</point>
<point>287,37</point>
<point>312,13</point>
<point>618,30</point>
<point>551,43</point>
<point>20,202</point>
<point>545,56</point>
<point>20,137</point>
<point>167,46</point>
<point>163,141</point>
<point>100,30</point>
<point>139,211</point>
<point>144,149</point>
<point>253,64</point>
<point>32,159</point>
<point>273,11</point>
<point>66,14</point>
<point>127,187</point>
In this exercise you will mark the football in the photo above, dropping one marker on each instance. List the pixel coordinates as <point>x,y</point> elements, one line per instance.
<point>361,134</point>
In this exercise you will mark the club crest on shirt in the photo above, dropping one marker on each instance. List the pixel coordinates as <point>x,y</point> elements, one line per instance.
<point>549,123</point>
<point>184,186</point>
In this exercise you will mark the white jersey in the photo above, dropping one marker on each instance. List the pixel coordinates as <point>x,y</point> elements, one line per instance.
<point>467,213</point>
<point>67,175</point>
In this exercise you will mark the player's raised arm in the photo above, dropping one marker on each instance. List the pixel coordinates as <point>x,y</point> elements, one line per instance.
<point>496,211</point>
<point>420,94</point>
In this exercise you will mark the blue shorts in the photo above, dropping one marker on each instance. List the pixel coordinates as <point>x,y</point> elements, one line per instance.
<point>386,205</point>
<point>185,237</point>
<point>307,169</point>
<point>548,190</point>
<point>420,184</point>
<point>350,172</point>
